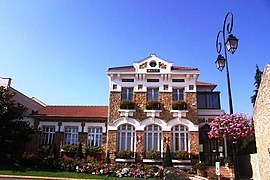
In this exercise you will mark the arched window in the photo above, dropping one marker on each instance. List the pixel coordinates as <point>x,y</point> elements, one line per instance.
<point>126,137</point>
<point>152,137</point>
<point>180,138</point>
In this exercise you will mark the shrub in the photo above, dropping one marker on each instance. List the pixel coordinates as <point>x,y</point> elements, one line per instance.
<point>153,104</point>
<point>70,148</point>
<point>126,154</point>
<point>153,154</point>
<point>53,152</point>
<point>93,149</point>
<point>201,166</point>
<point>181,155</point>
<point>79,153</point>
<point>168,158</point>
<point>179,105</point>
<point>30,160</point>
<point>44,149</point>
<point>127,104</point>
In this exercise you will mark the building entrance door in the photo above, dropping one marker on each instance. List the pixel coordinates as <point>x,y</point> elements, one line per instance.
<point>212,149</point>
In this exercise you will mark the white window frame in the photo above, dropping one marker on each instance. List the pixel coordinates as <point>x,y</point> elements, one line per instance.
<point>47,136</point>
<point>74,135</point>
<point>151,93</point>
<point>183,138</point>
<point>179,93</point>
<point>149,133</point>
<point>94,136</point>
<point>128,91</point>
<point>123,135</point>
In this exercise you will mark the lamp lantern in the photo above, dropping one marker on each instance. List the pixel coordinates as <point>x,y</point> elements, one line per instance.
<point>220,62</point>
<point>232,43</point>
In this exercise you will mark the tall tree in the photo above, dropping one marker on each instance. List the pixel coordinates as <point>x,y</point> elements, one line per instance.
<point>13,132</point>
<point>258,78</point>
<point>168,158</point>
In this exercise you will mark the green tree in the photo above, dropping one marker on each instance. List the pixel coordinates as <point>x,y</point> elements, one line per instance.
<point>168,158</point>
<point>258,78</point>
<point>13,131</point>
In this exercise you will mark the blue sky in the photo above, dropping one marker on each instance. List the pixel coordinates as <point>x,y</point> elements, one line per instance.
<point>59,51</point>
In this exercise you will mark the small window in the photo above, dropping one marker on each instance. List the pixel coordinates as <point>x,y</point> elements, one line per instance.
<point>153,64</point>
<point>140,86</point>
<point>178,80</point>
<point>165,87</point>
<point>127,80</point>
<point>178,94</point>
<point>127,94</point>
<point>152,80</point>
<point>114,86</point>
<point>152,94</point>
<point>191,87</point>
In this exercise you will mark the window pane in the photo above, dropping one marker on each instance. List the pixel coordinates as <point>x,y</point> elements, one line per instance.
<point>94,136</point>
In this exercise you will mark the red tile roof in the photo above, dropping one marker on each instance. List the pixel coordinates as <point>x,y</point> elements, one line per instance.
<point>183,68</point>
<point>122,68</point>
<point>74,111</point>
<point>200,83</point>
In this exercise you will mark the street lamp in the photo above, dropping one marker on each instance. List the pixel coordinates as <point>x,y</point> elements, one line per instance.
<point>230,43</point>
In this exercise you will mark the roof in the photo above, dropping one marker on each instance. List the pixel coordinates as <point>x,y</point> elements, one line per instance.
<point>183,68</point>
<point>122,68</point>
<point>132,68</point>
<point>200,83</point>
<point>74,111</point>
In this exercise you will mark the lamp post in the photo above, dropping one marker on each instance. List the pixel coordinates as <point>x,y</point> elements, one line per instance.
<point>228,44</point>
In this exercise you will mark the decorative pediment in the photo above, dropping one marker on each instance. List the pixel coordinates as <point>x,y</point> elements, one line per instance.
<point>152,64</point>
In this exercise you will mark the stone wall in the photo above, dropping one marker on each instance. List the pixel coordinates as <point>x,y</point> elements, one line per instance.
<point>115,100</point>
<point>192,114</point>
<point>194,142</point>
<point>140,99</point>
<point>166,107</point>
<point>112,135</point>
<point>140,145</point>
<point>262,125</point>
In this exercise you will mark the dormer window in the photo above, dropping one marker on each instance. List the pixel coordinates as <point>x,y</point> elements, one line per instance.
<point>153,64</point>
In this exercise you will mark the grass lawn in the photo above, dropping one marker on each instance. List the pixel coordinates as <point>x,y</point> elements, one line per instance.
<point>26,171</point>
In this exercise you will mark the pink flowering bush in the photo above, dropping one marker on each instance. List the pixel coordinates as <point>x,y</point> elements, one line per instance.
<point>234,127</point>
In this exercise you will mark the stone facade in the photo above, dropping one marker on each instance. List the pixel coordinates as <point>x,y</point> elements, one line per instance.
<point>115,100</point>
<point>166,101</point>
<point>112,135</point>
<point>140,99</point>
<point>192,114</point>
<point>194,142</point>
<point>262,126</point>
<point>139,145</point>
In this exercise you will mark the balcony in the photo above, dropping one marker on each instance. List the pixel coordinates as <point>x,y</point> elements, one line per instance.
<point>127,108</point>
<point>153,108</point>
<point>179,109</point>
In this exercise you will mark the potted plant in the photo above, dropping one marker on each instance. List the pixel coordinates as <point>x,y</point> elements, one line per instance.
<point>92,150</point>
<point>125,154</point>
<point>153,104</point>
<point>153,154</point>
<point>201,169</point>
<point>179,105</point>
<point>181,155</point>
<point>127,104</point>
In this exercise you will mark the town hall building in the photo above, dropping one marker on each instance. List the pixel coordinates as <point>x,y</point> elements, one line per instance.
<point>152,103</point>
